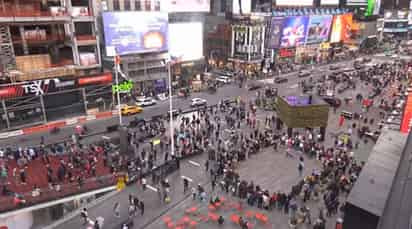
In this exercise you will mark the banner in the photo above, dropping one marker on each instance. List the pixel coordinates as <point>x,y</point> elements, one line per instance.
<point>319,28</point>
<point>276,26</point>
<point>294,31</point>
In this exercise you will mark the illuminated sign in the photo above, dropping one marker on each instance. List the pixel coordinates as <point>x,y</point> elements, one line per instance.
<point>124,87</point>
<point>100,79</point>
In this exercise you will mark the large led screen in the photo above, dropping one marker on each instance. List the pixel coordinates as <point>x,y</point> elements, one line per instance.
<point>329,2</point>
<point>294,2</point>
<point>276,26</point>
<point>341,28</point>
<point>294,31</point>
<point>186,41</point>
<point>319,27</point>
<point>185,5</point>
<point>135,32</point>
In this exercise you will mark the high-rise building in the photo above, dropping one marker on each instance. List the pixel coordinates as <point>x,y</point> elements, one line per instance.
<point>45,47</point>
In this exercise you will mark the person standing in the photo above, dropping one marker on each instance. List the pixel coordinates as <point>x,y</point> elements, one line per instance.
<point>301,166</point>
<point>141,207</point>
<point>85,216</point>
<point>143,183</point>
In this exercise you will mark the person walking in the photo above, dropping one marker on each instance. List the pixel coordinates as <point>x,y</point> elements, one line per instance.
<point>116,209</point>
<point>300,166</point>
<point>85,216</point>
<point>141,207</point>
<point>185,185</point>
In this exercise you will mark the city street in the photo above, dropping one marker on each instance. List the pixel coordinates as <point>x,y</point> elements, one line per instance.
<point>275,171</point>
<point>227,91</point>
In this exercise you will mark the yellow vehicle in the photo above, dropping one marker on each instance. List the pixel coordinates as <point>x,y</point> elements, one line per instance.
<point>129,110</point>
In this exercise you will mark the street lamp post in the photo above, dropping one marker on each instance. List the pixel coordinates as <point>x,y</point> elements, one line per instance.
<point>116,75</point>
<point>172,139</point>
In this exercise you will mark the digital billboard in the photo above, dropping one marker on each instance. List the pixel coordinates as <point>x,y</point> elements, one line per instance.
<point>294,31</point>
<point>276,26</point>
<point>329,2</point>
<point>242,6</point>
<point>185,5</point>
<point>182,47</point>
<point>294,2</point>
<point>341,28</point>
<point>318,29</point>
<point>135,32</point>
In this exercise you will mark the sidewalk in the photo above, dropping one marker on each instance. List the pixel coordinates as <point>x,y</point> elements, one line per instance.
<point>153,205</point>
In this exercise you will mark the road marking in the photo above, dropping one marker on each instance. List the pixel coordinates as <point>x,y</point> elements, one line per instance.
<point>194,163</point>
<point>187,178</point>
<point>293,86</point>
<point>151,188</point>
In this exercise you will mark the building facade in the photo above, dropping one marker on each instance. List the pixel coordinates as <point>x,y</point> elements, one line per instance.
<point>46,49</point>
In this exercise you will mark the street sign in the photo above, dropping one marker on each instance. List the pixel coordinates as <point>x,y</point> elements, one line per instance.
<point>124,87</point>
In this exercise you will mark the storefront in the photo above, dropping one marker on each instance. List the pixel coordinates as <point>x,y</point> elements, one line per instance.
<point>183,74</point>
<point>40,101</point>
<point>285,55</point>
<point>307,54</point>
<point>324,52</point>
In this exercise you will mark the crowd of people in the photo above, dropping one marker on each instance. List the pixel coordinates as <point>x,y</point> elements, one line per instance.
<point>229,133</point>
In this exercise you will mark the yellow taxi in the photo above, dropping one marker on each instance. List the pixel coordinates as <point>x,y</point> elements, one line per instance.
<point>130,110</point>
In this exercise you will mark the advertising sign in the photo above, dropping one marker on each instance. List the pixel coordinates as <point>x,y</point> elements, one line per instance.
<point>99,79</point>
<point>294,2</point>
<point>319,27</point>
<point>185,5</point>
<point>329,2</point>
<point>35,88</point>
<point>294,31</point>
<point>124,87</point>
<point>357,2</point>
<point>407,115</point>
<point>180,47</point>
<point>135,32</point>
<point>341,28</point>
<point>275,32</point>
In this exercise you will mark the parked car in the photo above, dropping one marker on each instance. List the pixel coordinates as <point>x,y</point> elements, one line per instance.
<point>144,102</point>
<point>223,79</point>
<point>304,74</point>
<point>198,102</point>
<point>334,67</point>
<point>280,80</point>
<point>254,87</point>
<point>130,110</point>
<point>161,97</point>
<point>332,101</point>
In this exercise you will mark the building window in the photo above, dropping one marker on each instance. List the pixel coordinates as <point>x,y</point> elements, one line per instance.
<point>116,5</point>
<point>127,6</point>
<point>138,5</point>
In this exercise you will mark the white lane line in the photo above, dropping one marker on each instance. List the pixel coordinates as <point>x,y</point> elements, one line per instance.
<point>293,86</point>
<point>151,188</point>
<point>187,178</point>
<point>194,163</point>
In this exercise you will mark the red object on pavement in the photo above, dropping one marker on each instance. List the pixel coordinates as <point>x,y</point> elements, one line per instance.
<point>407,115</point>
<point>341,120</point>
